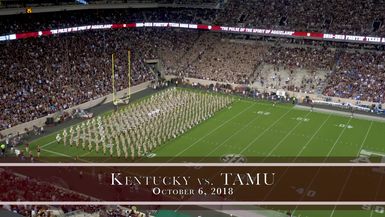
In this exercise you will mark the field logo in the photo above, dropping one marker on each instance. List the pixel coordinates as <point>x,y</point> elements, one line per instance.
<point>233,158</point>
<point>371,157</point>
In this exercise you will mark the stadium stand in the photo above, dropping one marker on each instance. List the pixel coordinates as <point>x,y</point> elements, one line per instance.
<point>62,19</point>
<point>358,75</point>
<point>364,18</point>
<point>39,3</point>
<point>79,72</point>
<point>41,76</point>
<point>200,55</point>
<point>18,187</point>
<point>85,57</point>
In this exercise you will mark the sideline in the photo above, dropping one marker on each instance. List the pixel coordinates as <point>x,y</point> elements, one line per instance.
<point>342,113</point>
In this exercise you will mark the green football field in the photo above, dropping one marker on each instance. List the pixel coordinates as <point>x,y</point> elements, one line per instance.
<point>249,130</point>
<point>272,212</point>
<point>257,129</point>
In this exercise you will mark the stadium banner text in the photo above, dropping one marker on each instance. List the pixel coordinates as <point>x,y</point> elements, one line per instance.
<point>254,31</point>
<point>187,183</point>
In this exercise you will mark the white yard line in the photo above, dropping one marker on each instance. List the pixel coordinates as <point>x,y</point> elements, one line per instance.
<point>327,156</point>
<point>87,153</point>
<point>311,139</point>
<point>267,129</point>
<point>284,138</point>
<point>342,190</point>
<point>211,132</point>
<point>259,136</point>
<point>378,190</point>
<point>45,145</point>
<point>232,135</point>
<point>61,154</point>
<point>351,170</point>
<point>366,136</point>
<point>64,155</point>
<point>371,213</point>
<point>50,143</point>
<point>299,154</point>
<point>338,139</point>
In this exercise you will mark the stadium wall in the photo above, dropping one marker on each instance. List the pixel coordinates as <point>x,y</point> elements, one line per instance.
<point>105,99</point>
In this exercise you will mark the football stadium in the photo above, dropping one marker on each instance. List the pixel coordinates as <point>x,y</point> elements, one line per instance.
<point>184,82</point>
<point>261,130</point>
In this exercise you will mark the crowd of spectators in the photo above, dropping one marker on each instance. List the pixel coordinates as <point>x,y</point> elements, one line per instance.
<point>362,18</point>
<point>359,75</point>
<point>52,74</point>
<point>352,73</point>
<point>49,74</point>
<point>14,187</point>
<point>29,189</point>
<point>216,57</point>
<point>40,3</point>
<point>17,187</point>
<point>221,60</point>
<point>301,57</point>
<point>71,210</point>
<point>86,210</point>
<point>55,73</point>
<point>62,19</point>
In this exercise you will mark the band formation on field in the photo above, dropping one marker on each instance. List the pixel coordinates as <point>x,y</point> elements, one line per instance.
<point>139,128</point>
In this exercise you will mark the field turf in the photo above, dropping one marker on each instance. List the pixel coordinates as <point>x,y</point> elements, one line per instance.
<point>258,129</point>
<point>249,129</point>
<point>258,212</point>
